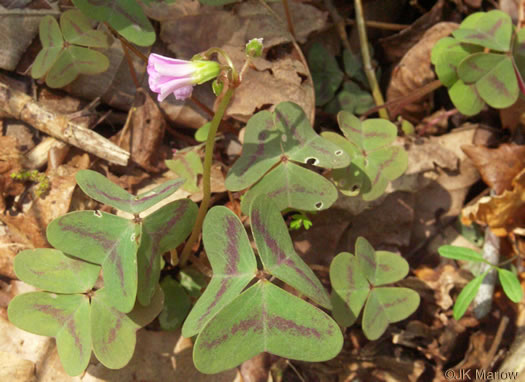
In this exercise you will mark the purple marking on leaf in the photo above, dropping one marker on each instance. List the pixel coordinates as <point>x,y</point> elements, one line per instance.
<point>50,22</point>
<point>350,275</point>
<point>491,32</point>
<point>320,149</point>
<point>281,257</point>
<point>114,330</point>
<point>156,238</point>
<point>215,342</point>
<point>166,189</point>
<point>232,249</point>
<point>253,158</point>
<point>286,325</point>
<point>186,165</point>
<point>254,324</point>
<point>285,120</point>
<point>500,86</point>
<point>222,289</point>
<point>472,65</point>
<point>72,64</point>
<point>385,267</point>
<point>370,261</point>
<point>397,301</point>
<point>58,314</point>
<point>133,202</point>
<point>97,236</point>
<point>384,165</point>
<point>72,330</point>
<point>376,316</point>
<point>106,244</point>
<point>76,27</point>
<point>274,193</point>
<point>38,273</point>
<point>117,260</point>
<point>366,135</point>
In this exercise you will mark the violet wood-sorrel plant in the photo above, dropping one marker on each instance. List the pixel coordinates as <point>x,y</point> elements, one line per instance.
<point>483,62</point>
<point>126,251</point>
<point>242,312</point>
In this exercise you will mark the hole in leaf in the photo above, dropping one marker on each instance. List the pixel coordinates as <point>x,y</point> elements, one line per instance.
<point>319,205</point>
<point>339,152</point>
<point>311,161</point>
<point>355,188</point>
<point>97,213</point>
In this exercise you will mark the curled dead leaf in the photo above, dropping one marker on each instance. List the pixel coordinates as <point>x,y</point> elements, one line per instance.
<point>502,213</point>
<point>498,167</point>
<point>414,71</point>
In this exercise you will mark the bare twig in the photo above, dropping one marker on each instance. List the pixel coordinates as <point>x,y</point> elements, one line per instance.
<point>21,106</point>
<point>289,18</point>
<point>367,62</point>
<point>380,25</point>
<point>339,22</point>
<point>485,363</point>
<point>417,94</point>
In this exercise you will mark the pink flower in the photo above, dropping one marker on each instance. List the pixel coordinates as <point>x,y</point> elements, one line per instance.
<point>169,75</point>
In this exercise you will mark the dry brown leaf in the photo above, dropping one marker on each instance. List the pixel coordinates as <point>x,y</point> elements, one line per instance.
<point>415,71</point>
<point>270,83</point>
<point>502,213</point>
<point>274,79</point>
<point>194,33</point>
<point>442,280</point>
<point>145,131</point>
<point>27,230</point>
<point>396,46</point>
<point>498,167</point>
<point>17,30</point>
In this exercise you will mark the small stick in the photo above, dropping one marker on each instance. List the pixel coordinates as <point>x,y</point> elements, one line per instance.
<point>289,18</point>
<point>340,24</point>
<point>380,25</point>
<point>367,62</point>
<point>416,94</point>
<point>129,61</point>
<point>22,107</point>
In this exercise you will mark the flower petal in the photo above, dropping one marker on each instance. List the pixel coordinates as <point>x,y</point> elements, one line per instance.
<point>183,93</point>
<point>171,86</point>
<point>169,66</point>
